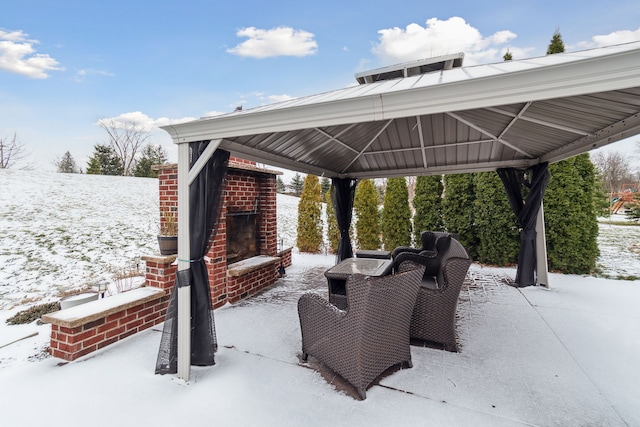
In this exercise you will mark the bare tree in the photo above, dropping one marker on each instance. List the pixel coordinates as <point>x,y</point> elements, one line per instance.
<point>127,138</point>
<point>13,152</point>
<point>613,167</point>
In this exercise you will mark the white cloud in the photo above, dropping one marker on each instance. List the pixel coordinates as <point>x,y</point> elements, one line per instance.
<point>81,75</point>
<point>141,121</point>
<point>280,41</point>
<point>439,38</point>
<point>18,55</point>
<point>617,37</point>
<point>280,98</point>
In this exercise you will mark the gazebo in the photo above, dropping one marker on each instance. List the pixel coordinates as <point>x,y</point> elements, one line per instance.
<point>506,117</point>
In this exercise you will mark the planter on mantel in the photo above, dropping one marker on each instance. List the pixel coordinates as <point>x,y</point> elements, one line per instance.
<point>168,245</point>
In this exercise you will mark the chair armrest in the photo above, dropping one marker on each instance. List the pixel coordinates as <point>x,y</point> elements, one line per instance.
<point>451,276</point>
<point>400,249</point>
<point>313,306</point>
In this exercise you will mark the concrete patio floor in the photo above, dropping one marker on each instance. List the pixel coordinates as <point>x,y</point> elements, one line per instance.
<point>529,356</point>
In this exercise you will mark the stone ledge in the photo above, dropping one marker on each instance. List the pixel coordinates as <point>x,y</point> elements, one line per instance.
<point>94,310</point>
<point>249,265</point>
<point>159,259</point>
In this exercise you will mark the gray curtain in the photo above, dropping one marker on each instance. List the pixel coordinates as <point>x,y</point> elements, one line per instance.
<point>526,212</point>
<point>343,191</point>
<point>206,195</point>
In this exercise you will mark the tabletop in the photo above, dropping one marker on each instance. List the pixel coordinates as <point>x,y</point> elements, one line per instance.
<point>366,266</point>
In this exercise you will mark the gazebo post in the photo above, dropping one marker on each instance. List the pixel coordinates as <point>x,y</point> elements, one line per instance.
<point>542,269</point>
<point>184,292</point>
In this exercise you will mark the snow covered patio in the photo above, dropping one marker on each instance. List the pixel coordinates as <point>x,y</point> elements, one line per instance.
<point>529,356</point>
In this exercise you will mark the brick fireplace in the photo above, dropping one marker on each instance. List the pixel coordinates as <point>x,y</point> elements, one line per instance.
<point>244,258</point>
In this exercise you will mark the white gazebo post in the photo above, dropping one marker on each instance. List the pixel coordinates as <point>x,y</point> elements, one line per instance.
<point>184,255</point>
<point>186,175</point>
<point>542,269</point>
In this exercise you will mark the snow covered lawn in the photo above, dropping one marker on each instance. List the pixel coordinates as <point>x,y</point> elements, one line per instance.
<point>565,356</point>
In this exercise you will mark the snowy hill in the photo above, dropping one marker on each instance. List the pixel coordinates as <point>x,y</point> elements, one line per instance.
<point>60,232</point>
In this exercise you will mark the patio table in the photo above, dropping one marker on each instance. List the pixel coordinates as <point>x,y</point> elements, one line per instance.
<point>338,274</point>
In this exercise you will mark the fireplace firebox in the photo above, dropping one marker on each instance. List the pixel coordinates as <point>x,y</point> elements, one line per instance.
<point>243,237</point>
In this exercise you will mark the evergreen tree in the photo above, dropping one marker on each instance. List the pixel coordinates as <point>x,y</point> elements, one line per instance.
<point>457,210</point>
<point>325,185</point>
<point>93,166</point>
<point>365,205</point>
<point>104,161</point>
<point>556,45</point>
<point>396,215</point>
<point>427,203</point>
<point>150,155</point>
<point>495,223</point>
<point>507,56</point>
<point>633,213</point>
<point>570,213</point>
<point>280,187</point>
<point>333,231</point>
<point>297,182</point>
<point>309,237</point>
<point>67,164</point>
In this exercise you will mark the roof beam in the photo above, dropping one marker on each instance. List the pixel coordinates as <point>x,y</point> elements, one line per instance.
<point>276,160</point>
<point>540,122</point>
<point>484,131</point>
<point>616,132</point>
<point>371,141</point>
<point>449,169</point>
<point>421,137</point>
<point>515,119</point>
<point>335,138</point>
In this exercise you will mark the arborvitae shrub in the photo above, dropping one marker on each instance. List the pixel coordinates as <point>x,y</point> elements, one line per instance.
<point>496,224</point>
<point>457,210</point>
<point>570,216</point>
<point>365,205</point>
<point>333,231</point>
<point>396,215</point>
<point>309,237</point>
<point>427,203</point>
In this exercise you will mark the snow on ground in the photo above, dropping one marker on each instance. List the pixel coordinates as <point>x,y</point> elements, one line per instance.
<point>53,225</point>
<point>619,249</point>
<point>63,232</point>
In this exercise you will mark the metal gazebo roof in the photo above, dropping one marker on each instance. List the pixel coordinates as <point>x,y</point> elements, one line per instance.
<point>478,118</point>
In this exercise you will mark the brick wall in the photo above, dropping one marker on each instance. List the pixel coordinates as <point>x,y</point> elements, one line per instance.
<point>71,339</point>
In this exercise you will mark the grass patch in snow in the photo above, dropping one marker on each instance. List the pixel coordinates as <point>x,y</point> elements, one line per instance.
<point>33,313</point>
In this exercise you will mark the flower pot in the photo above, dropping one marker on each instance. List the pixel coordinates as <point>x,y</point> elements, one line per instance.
<point>168,245</point>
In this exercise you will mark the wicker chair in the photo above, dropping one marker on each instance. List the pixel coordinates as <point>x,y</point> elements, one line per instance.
<point>434,315</point>
<point>429,242</point>
<point>361,342</point>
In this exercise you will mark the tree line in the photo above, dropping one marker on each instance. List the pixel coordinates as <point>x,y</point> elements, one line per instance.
<point>124,154</point>
<point>472,206</point>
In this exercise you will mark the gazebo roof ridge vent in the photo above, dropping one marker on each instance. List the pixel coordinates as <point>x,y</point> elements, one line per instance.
<point>411,68</point>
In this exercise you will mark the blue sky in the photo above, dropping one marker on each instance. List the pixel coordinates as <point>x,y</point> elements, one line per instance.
<point>64,65</point>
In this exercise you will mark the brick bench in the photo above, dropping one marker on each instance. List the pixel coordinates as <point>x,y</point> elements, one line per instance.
<point>80,330</point>
<point>250,275</point>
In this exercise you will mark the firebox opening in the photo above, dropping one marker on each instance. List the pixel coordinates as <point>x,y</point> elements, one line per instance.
<point>243,238</point>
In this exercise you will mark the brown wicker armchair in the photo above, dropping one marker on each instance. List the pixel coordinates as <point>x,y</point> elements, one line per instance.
<point>361,342</point>
<point>434,315</point>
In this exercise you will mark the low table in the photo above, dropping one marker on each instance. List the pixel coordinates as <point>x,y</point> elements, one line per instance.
<point>337,276</point>
<point>377,254</point>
